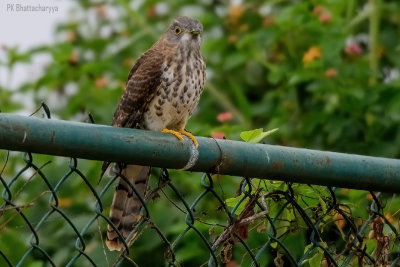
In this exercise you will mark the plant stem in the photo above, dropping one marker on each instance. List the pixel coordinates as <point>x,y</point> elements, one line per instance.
<point>351,5</point>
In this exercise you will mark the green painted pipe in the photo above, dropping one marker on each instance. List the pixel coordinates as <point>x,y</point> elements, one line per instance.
<point>99,142</point>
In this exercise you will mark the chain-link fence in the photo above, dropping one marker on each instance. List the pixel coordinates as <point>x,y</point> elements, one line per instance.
<point>210,220</point>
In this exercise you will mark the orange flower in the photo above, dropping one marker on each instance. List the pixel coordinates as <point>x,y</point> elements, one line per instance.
<point>268,21</point>
<point>331,73</point>
<point>152,11</point>
<point>101,11</point>
<point>235,13</point>
<point>312,54</point>
<point>339,220</point>
<point>224,116</point>
<point>318,10</point>
<point>232,38</point>
<point>101,82</point>
<point>64,202</point>
<point>73,58</point>
<point>71,36</point>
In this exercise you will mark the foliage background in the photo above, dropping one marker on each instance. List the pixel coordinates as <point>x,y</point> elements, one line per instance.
<point>326,73</point>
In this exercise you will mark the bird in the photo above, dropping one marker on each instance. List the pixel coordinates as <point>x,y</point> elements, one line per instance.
<point>162,91</point>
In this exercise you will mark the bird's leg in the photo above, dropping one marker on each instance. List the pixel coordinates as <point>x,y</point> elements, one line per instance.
<point>190,136</point>
<point>174,133</point>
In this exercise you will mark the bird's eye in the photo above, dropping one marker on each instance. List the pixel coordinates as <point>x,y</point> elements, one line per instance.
<point>177,30</point>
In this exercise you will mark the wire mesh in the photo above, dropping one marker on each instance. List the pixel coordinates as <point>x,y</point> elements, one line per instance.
<point>61,220</point>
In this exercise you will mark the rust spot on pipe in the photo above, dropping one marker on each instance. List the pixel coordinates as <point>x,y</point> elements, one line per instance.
<point>328,160</point>
<point>277,166</point>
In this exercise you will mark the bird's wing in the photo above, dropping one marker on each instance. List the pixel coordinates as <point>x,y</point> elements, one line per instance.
<point>143,82</point>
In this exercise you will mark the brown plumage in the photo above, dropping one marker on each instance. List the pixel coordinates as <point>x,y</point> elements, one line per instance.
<point>162,91</point>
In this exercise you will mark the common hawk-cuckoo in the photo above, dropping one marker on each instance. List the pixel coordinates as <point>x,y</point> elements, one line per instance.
<point>162,91</point>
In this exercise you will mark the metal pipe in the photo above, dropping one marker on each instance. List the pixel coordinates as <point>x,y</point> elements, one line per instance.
<point>99,142</point>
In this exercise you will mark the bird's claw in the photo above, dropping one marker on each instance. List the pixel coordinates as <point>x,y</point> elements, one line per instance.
<point>178,134</point>
<point>190,136</point>
<point>174,133</point>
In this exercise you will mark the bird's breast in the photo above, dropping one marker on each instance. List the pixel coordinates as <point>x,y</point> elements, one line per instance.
<point>182,82</point>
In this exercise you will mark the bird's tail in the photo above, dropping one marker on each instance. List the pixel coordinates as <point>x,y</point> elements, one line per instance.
<point>126,206</point>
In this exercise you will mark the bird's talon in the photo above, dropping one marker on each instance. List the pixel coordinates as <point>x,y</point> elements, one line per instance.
<point>190,136</point>
<point>178,134</point>
<point>174,133</point>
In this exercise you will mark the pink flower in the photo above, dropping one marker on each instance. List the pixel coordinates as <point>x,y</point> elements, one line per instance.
<point>325,17</point>
<point>224,116</point>
<point>218,135</point>
<point>353,49</point>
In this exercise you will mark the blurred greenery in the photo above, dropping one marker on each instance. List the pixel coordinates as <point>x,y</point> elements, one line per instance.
<point>326,73</point>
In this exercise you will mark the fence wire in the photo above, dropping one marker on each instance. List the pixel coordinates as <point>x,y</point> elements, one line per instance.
<point>61,220</point>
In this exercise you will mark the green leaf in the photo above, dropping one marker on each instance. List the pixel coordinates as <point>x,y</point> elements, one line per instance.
<point>323,204</point>
<point>284,224</point>
<point>249,135</point>
<point>234,60</point>
<point>275,76</point>
<point>232,202</point>
<point>256,136</point>
<point>36,264</point>
<point>316,260</point>
<point>308,247</point>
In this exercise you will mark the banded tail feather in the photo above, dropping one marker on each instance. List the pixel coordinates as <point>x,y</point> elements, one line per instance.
<point>126,206</point>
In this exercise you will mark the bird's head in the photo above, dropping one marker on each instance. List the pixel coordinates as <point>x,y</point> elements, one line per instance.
<point>184,31</point>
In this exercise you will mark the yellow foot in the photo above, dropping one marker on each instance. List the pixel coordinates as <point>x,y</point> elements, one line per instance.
<point>178,134</point>
<point>174,133</point>
<point>190,136</point>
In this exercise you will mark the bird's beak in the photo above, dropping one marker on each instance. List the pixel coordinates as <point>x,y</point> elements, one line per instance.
<point>194,32</point>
